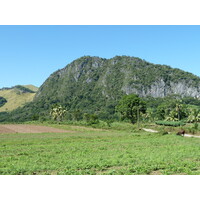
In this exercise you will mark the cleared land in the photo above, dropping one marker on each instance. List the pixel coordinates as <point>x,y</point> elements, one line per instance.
<point>87,150</point>
<point>24,128</point>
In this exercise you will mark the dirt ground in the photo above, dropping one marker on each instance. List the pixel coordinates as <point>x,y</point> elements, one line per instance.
<point>23,128</point>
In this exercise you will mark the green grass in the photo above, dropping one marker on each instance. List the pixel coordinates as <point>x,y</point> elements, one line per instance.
<point>98,151</point>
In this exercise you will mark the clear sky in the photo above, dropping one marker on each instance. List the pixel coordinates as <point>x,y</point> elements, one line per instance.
<point>29,54</point>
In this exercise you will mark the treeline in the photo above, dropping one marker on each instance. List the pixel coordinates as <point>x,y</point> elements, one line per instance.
<point>171,108</point>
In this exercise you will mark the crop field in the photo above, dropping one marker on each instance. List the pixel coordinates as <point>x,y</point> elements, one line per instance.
<point>86,150</point>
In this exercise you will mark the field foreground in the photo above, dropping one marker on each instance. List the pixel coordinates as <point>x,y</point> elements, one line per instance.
<point>82,150</point>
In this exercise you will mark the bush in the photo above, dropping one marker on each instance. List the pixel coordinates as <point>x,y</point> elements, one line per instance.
<point>194,129</point>
<point>91,118</point>
<point>2,101</point>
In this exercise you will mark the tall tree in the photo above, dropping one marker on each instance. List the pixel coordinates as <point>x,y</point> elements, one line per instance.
<point>130,107</point>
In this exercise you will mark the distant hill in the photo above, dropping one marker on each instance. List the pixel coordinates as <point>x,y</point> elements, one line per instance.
<point>17,96</point>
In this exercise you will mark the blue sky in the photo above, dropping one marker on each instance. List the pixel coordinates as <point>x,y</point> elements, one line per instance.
<point>29,54</point>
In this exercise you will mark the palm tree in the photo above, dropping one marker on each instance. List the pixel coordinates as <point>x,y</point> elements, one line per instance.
<point>194,116</point>
<point>178,109</point>
<point>177,113</point>
<point>172,116</point>
<point>57,113</point>
<point>149,115</point>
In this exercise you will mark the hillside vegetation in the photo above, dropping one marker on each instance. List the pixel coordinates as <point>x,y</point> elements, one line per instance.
<point>16,97</point>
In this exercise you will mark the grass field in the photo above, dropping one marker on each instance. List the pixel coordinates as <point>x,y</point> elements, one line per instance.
<point>98,151</point>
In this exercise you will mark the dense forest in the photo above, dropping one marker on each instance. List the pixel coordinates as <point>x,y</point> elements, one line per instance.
<point>157,109</point>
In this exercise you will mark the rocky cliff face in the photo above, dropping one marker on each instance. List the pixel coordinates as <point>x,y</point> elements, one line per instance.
<point>160,89</point>
<point>90,80</point>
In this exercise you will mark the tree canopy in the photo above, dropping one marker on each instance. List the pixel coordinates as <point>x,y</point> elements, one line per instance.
<point>131,106</point>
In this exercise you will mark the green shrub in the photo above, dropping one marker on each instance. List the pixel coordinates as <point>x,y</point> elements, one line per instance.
<point>2,101</point>
<point>91,118</point>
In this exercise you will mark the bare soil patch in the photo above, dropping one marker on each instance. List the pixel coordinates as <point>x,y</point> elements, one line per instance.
<point>25,128</point>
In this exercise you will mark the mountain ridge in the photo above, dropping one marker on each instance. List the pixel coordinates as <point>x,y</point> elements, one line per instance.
<point>158,87</point>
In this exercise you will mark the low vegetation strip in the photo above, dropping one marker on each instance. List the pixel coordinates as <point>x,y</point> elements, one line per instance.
<point>24,128</point>
<point>170,123</point>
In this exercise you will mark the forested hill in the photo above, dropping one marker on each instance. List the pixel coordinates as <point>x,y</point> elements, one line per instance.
<point>94,83</point>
